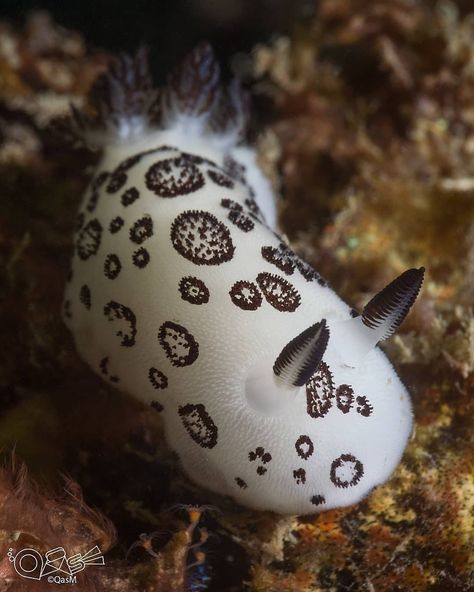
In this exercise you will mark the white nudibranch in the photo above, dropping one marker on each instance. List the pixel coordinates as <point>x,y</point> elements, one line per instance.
<point>183,295</point>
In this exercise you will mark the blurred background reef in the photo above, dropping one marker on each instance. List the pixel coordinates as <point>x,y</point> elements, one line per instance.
<point>364,120</point>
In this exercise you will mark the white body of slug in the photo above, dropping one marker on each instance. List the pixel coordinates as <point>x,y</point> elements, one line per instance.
<point>183,296</point>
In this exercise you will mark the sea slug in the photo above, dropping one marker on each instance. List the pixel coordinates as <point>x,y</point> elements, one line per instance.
<point>183,294</point>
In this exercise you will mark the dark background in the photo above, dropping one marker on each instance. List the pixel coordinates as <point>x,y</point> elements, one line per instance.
<point>170,28</point>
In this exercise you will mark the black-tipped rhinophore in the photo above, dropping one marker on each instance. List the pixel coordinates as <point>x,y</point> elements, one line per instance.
<point>300,358</point>
<point>387,309</point>
<point>193,88</point>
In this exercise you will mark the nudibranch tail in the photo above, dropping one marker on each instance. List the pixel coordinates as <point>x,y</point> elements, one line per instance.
<point>124,104</point>
<point>300,358</point>
<point>380,318</point>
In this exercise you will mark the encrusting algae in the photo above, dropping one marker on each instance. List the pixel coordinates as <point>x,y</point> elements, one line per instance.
<point>371,142</point>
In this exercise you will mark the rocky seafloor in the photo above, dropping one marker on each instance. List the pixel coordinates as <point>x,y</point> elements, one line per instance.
<point>370,144</point>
